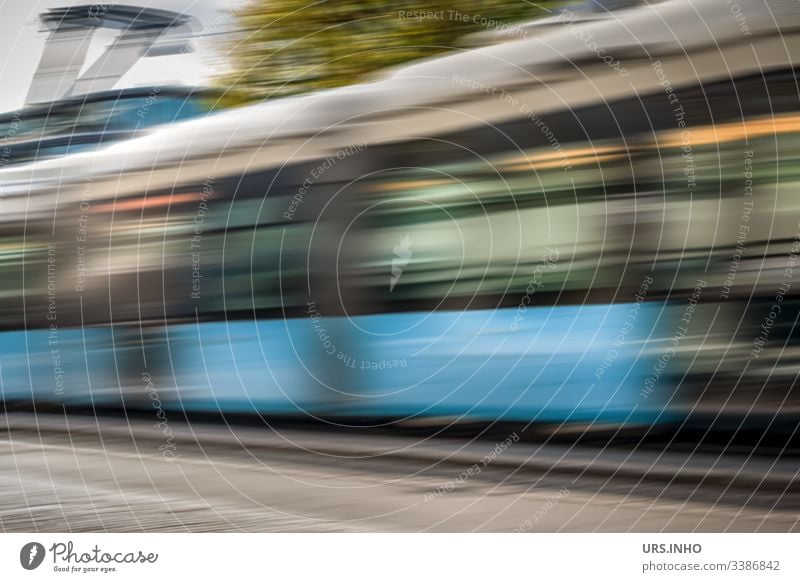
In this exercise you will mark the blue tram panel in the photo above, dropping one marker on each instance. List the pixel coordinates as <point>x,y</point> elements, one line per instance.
<point>558,364</point>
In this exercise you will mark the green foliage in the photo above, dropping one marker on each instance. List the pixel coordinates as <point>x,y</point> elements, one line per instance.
<point>295,46</point>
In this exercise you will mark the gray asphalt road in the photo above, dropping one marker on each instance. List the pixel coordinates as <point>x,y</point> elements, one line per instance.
<point>79,474</point>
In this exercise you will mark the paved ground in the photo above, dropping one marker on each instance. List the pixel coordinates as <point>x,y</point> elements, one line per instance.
<point>79,474</point>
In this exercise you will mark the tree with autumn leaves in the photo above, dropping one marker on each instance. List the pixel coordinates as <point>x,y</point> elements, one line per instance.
<point>286,47</point>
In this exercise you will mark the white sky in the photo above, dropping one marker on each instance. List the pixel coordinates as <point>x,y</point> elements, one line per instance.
<point>22,42</point>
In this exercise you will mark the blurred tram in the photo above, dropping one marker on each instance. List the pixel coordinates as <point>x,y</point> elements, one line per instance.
<point>88,122</point>
<point>526,232</point>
